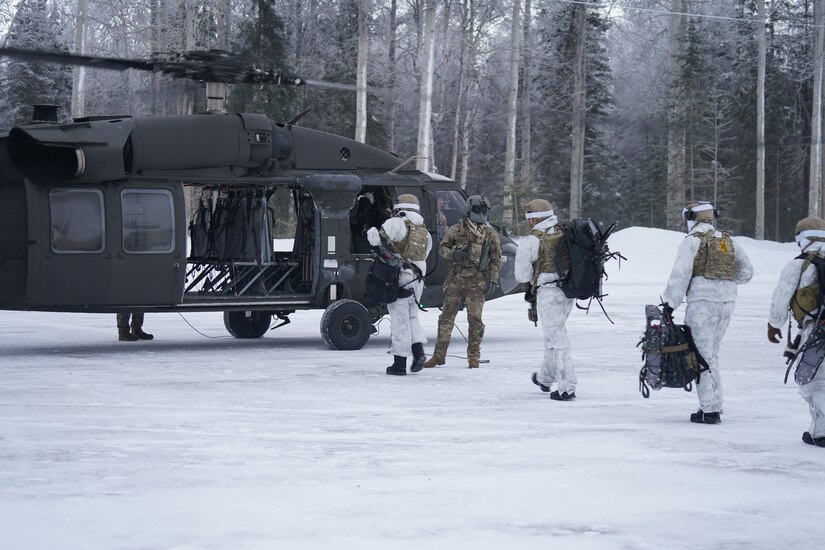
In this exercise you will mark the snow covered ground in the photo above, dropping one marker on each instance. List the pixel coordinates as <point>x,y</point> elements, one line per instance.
<point>194,442</point>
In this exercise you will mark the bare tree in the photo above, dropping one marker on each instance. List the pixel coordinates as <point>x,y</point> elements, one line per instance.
<point>361,71</point>
<point>79,83</point>
<point>815,175</point>
<point>676,174</point>
<point>425,148</point>
<point>759,227</point>
<point>526,93</point>
<point>509,195</point>
<point>579,106</point>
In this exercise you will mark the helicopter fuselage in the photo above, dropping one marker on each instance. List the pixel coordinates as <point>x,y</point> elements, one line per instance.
<point>183,213</point>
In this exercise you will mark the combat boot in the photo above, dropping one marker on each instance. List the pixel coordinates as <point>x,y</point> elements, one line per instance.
<point>563,396</point>
<point>811,440</point>
<point>701,417</point>
<point>399,366</point>
<point>473,362</point>
<point>539,384</point>
<point>419,359</point>
<point>138,333</point>
<point>126,336</point>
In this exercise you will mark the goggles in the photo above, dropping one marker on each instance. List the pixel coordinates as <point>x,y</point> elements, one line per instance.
<point>476,209</point>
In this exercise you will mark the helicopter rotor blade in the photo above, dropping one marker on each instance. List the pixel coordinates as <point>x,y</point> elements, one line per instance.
<point>72,59</point>
<point>339,86</point>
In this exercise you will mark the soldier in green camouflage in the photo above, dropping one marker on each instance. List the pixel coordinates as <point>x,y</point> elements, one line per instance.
<point>474,252</point>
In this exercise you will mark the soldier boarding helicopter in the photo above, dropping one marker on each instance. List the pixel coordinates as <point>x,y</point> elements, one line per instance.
<point>93,213</point>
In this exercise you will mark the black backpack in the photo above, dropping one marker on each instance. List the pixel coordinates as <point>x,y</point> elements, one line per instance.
<point>671,359</point>
<point>382,285</point>
<point>586,246</point>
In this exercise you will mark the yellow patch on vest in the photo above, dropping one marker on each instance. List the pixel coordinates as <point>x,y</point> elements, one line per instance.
<point>723,246</point>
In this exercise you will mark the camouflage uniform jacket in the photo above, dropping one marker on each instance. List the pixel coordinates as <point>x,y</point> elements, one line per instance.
<point>482,245</point>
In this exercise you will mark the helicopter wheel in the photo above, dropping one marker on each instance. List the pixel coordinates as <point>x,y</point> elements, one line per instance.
<point>346,325</point>
<point>247,324</point>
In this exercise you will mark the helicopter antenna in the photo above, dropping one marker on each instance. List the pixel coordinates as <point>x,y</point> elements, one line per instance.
<point>296,118</point>
<point>395,170</point>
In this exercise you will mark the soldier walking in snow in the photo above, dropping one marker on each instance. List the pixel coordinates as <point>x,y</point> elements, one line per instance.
<point>799,289</point>
<point>474,252</point>
<point>536,264</point>
<point>408,237</point>
<point>707,270</point>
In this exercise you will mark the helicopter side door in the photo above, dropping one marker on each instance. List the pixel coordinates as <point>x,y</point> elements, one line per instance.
<point>106,246</point>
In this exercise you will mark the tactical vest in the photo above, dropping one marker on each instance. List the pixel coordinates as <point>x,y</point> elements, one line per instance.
<point>805,300</point>
<point>476,240</point>
<point>414,246</point>
<point>716,257</point>
<point>548,249</point>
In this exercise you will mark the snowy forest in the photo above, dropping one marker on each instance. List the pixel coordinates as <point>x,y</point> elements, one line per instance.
<point>617,110</point>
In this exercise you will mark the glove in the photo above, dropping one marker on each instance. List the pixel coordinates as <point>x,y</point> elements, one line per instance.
<point>774,334</point>
<point>491,287</point>
<point>667,310</point>
<point>373,237</point>
<point>460,254</point>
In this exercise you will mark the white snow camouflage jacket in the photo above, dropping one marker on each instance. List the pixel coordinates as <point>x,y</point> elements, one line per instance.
<point>788,283</point>
<point>396,231</point>
<point>682,283</point>
<point>528,252</point>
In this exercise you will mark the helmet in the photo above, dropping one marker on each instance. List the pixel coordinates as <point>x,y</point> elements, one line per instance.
<point>808,230</point>
<point>406,201</point>
<point>700,211</point>
<point>811,223</point>
<point>477,208</point>
<point>539,208</point>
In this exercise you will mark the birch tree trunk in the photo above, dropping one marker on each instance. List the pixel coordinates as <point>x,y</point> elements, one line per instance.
<point>425,152</point>
<point>676,129</point>
<point>466,29</point>
<point>815,175</point>
<point>526,174</point>
<point>759,226</point>
<point>154,21</point>
<point>393,67</point>
<point>79,84</point>
<point>509,195</point>
<point>361,72</point>
<point>579,105</point>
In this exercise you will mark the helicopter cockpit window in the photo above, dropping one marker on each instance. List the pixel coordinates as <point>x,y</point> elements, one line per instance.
<point>148,221</point>
<point>77,223</point>
<point>450,210</point>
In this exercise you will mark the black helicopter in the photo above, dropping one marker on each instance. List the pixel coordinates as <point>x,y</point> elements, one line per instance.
<point>93,213</point>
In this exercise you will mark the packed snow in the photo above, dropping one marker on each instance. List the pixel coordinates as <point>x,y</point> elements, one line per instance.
<point>197,440</point>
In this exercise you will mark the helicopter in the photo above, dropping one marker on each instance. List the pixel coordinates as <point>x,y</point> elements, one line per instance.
<point>94,214</point>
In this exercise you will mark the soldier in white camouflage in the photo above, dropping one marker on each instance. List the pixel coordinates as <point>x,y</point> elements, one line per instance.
<point>474,251</point>
<point>406,236</point>
<point>540,264</point>
<point>707,269</point>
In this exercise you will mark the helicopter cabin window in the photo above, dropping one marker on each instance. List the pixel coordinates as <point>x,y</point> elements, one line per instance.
<point>76,218</point>
<point>148,221</point>
<point>372,207</point>
<point>450,210</point>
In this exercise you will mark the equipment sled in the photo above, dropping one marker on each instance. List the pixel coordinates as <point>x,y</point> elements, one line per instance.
<point>670,355</point>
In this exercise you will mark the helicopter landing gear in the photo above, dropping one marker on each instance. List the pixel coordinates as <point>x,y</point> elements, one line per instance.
<point>247,324</point>
<point>346,325</point>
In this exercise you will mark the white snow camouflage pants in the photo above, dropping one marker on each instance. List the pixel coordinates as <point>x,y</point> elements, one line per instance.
<point>708,322</point>
<point>814,394</point>
<point>406,330</point>
<point>554,308</point>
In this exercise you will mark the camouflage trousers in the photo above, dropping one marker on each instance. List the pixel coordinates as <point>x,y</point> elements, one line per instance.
<point>471,291</point>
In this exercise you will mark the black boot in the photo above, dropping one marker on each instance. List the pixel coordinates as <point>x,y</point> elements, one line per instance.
<point>564,396</point>
<point>138,333</point>
<point>418,357</point>
<point>539,384</point>
<point>700,417</point>
<point>126,336</point>
<point>811,440</point>
<point>399,366</point>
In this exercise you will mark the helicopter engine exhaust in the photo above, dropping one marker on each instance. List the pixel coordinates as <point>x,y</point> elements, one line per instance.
<point>110,149</point>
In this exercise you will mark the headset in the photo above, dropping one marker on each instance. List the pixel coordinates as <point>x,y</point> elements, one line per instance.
<point>690,215</point>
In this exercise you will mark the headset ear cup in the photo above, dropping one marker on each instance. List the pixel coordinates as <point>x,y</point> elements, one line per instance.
<point>716,213</point>
<point>690,215</point>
